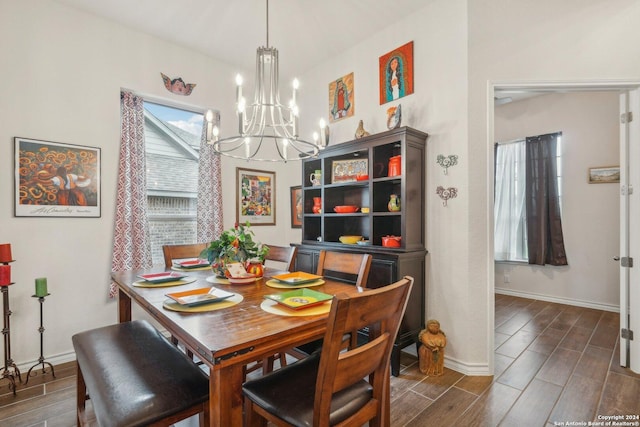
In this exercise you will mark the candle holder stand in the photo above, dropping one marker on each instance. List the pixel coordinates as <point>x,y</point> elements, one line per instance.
<point>41,360</point>
<point>10,371</point>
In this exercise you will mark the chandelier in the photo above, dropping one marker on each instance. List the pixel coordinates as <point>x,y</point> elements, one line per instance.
<point>267,129</point>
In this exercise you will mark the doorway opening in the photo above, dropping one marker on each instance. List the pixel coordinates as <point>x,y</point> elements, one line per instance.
<point>501,93</point>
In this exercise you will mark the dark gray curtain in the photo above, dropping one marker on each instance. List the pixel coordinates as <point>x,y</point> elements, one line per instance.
<point>544,226</point>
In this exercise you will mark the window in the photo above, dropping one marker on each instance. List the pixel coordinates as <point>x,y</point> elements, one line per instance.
<point>510,216</point>
<point>172,144</point>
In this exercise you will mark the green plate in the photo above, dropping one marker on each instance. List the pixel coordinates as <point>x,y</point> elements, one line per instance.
<point>300,298</point>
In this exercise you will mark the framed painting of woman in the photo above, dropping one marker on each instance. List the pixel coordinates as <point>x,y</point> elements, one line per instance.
<point>396,73</point>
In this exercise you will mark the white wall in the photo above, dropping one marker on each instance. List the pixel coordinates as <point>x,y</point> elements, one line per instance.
<point>63,71</point>
<point>590,212</point>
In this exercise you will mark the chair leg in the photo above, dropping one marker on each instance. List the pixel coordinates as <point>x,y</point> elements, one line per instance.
<point>251,418</point>
<point>81,397</point>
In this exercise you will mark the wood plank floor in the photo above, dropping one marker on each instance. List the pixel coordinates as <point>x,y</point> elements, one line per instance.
<point>553,364</point>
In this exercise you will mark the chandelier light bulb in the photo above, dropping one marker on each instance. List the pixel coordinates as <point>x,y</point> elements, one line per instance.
<point>242,103</point>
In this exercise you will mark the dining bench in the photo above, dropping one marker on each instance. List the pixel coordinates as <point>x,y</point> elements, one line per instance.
<point>135,377</point>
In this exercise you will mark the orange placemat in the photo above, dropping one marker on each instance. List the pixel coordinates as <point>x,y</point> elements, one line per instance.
<point>145,284</point>
<point>274,308</point>
<point>229,302</point>
<point>273,283</point>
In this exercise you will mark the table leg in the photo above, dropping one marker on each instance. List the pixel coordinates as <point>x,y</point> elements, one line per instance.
<point>225,396</point>
<point>124,307</point>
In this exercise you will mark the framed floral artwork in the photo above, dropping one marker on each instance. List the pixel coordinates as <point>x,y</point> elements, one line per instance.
<point>396,73</point>
<point>53,179</point>
<point>255,196</point>
<point>341,98</point>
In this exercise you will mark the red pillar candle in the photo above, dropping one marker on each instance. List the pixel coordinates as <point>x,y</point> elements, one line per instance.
<point>5,275</point>
<point>5,252</point>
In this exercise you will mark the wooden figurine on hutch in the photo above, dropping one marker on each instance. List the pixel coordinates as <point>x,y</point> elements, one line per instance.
<point>431,351</point>
<point>360,131</point>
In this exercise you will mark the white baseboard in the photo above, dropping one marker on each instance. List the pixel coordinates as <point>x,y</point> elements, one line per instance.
<point>559,300</point>
<point>24,367</point>
<point>476,369</point>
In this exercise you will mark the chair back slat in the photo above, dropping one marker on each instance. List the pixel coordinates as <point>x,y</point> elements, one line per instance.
<point>284,254</point>
<point>346,267</point>
<point>172,252</point>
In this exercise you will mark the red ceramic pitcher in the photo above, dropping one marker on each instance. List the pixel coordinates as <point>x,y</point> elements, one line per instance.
<point>394,165</point>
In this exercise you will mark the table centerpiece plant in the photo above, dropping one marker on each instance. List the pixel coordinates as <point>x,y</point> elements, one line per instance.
<point>237,244</point>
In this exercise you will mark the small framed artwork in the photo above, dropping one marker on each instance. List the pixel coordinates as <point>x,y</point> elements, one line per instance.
<point>604,175</point>
<point>396,73</point>
<point>255,196</point>
<point>53,179</point>
<point>348,170</point>
<point>341,98</point>
<point>296,206</point>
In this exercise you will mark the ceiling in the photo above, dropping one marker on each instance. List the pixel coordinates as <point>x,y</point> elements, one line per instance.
<point>305,32</point>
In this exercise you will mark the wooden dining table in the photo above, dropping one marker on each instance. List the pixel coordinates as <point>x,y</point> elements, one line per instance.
<point>229,338</point>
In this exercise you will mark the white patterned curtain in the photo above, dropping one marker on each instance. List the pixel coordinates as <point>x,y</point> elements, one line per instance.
<point>131,248</point>
<point>510,221</point>
<point>209,211</point>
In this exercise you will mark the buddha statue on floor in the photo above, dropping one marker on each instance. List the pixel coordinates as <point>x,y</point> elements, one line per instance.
<point>431,352</point>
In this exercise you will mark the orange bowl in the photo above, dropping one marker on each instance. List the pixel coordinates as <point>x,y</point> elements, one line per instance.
<point>362,177</point>
<point>391,241</point>
<point>346,209</point>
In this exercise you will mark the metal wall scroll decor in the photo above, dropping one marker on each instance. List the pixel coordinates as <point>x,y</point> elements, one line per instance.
<point>446,194</point>
<point>447,162</point>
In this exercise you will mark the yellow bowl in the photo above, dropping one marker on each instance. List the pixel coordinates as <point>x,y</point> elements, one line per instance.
<point>350,240</point>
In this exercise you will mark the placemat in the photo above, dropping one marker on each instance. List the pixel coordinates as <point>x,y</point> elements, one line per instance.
<point>229,302</point>
<point>273,283</point>
<point>176,268</point>
<point>221,281</point>
<point>274,308</point>
<point>145,284</point>
<point>216,279</point>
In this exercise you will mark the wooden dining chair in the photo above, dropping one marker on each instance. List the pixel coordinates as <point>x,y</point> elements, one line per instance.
<point>344,267</point>
<point>283,254</point>
<point>287,256</point>
<point>172,252</point>
<point>330,387</point>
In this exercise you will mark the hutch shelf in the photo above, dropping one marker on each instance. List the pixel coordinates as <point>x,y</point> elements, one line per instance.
<point>357,173</point>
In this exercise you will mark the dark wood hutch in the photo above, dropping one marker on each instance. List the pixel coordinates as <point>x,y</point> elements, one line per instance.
<point>339,165</point>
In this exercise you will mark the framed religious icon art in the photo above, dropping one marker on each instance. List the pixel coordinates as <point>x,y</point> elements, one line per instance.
<point>341,98</point>
<point>396,73</point>
<point>255,197</point>
<point>53,179</point>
